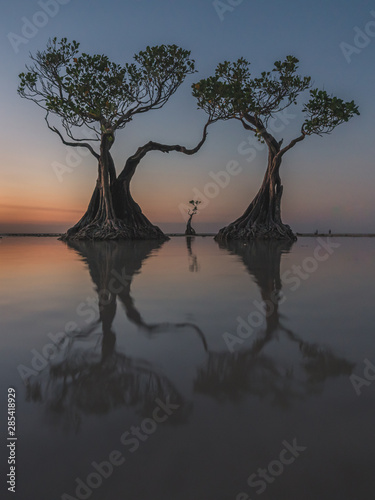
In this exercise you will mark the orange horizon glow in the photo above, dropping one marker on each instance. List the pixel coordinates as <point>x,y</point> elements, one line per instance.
<point>41,204</point>
<point>20,215</point>
<point>46,218</point>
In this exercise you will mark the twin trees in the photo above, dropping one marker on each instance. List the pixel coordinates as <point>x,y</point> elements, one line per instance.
<point>92,96</point>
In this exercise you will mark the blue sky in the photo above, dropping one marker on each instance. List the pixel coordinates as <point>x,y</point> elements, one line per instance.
<point>328,182</point>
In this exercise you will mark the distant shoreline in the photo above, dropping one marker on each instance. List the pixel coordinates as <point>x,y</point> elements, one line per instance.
<point>303,235</point>
<point>338,235</point>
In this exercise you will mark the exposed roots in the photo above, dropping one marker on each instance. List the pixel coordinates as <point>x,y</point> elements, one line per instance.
<point>115,230</point>
<point>273,231</point>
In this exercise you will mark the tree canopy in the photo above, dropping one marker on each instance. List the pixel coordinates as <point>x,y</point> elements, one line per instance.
<point>93,94</point>
<point>91,90</point>
<point>232,93</point>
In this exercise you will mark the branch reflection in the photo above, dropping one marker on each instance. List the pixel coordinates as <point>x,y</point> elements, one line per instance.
<point>300,369</point>
<point>92,376</point>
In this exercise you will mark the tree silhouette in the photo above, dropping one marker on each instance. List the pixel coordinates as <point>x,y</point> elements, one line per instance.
<point>91,376</point>
<point>193,211</point>
<point>91,94</point>
<point>232,93</point>
<point>253,370</point>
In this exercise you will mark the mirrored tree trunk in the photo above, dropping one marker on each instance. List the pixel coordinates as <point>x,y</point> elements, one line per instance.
<point>253,368</point>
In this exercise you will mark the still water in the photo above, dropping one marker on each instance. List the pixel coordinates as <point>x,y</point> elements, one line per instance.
<point>189,371</point>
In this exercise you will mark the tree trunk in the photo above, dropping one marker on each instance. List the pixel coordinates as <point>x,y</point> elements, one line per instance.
<point>189,229</point>
<point>262,219</point>
<point>112,213</point>
<point>128,211</point>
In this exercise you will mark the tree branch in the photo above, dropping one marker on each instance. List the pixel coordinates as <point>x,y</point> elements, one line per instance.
<point>245,125</point>
<point>73,144</point>
<point>259,128</point>
<point>293,143</point>
<point>141,152</point>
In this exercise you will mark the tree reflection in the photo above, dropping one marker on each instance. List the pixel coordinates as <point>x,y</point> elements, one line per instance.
<point>92,376</point>
<point>193,259</point>
<point>260,369</point>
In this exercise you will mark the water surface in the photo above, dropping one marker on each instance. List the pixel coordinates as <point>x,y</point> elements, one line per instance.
<point>203,372</point>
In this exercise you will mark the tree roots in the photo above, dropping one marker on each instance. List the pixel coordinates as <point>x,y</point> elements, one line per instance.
<point>273,231</point>
<point>114,230</point>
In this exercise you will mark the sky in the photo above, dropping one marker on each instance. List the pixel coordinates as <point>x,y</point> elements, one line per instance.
<point>328,181</point>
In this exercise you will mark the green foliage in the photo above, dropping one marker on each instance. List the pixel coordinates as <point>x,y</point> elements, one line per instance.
<point>324,112</point>
<point>83,89</point>
<point>232,92</point>
<point>195,204</point>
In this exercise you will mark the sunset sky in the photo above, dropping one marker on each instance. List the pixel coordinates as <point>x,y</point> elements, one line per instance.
<point>328,181</point>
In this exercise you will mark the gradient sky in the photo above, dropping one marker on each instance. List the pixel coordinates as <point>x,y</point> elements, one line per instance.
<point>328,181</point>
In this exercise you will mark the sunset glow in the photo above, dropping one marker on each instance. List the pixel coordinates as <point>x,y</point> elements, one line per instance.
<point>328,181</point>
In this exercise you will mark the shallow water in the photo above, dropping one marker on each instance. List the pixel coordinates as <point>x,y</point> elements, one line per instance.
<point>190,371</point>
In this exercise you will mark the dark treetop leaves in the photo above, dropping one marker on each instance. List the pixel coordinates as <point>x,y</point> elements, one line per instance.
<point>85,89</point>
<point>233,93</point>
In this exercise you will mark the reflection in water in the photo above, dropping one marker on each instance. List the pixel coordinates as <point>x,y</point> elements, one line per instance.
<point>279,384</point>
<point>93,377</point>
<point>193,259</point>
<point>112,266</point>
<point>257,370</point>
